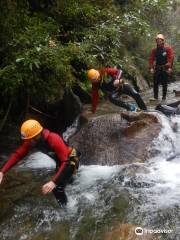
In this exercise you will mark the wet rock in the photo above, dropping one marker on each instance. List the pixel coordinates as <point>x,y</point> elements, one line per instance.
<point>140,81</point>
<point>127,231</point>
<point>136,183</point>
<point>116,138</point>
<point>120,205</point>
<point>17,188</point>
<point>177,93</point>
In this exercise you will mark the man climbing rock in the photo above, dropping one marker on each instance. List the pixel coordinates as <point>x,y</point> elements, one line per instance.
<point>109,81</point>
<point>50,143</point>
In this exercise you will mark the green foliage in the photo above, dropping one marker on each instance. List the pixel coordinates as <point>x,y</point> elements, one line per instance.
<point>31,63</point>
<point>47,46</point>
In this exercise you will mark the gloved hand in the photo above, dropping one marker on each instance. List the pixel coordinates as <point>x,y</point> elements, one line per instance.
<point>132,107</point>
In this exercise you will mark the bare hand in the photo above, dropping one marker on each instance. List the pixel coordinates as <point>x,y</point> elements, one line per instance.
<point>169,71</point>
<point>48,187</point>
<point>116,82</point>
<point>152,70</point>
<point>1,176</point>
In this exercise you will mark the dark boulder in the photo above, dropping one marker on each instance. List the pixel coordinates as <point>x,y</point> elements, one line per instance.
<point>116,138</point>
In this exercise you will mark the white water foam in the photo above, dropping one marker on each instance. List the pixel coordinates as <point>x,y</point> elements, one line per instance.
<point>89,175</point>
<point>38,160</point>
<point>88,183</point>
<point>165,174</point>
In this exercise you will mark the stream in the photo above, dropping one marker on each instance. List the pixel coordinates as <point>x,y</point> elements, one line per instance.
<point>145,195</point>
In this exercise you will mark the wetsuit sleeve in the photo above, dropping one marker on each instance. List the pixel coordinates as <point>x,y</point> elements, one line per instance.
<point>170,56</point>
<point>152,58</point>
<point>56,176</point>
<point>16,156</point>
<point>96,85</point>
<point>62,151</point>
<point>58,145</point>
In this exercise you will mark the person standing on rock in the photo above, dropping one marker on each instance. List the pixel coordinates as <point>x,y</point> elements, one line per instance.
<point>50,143</point>
<point>160,64</point>
<point>109,81</point>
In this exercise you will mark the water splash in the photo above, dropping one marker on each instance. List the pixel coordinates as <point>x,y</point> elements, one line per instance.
<point>154,187</point>
<point>37,160</point>
<point>71,130</point>
<point>156,198</point>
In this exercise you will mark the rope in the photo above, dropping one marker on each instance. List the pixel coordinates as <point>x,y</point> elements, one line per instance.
<point>42,113</point>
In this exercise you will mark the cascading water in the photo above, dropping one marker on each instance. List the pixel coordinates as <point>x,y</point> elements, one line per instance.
<point>143,194</point>
<point>158,192</point>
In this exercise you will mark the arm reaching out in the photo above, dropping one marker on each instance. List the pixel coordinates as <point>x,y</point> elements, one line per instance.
<point>1,177</point>
<point>16,156</point>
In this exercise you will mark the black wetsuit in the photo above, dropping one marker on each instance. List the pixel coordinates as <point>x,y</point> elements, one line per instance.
<point>161,59</point>
<point>160,76</point>
<point>114,94</point>
<point>66,173</point>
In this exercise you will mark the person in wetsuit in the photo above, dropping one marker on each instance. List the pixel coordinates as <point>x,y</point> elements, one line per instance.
<point>160,64</point>
<point>50,143</point>
<point>109,81</point>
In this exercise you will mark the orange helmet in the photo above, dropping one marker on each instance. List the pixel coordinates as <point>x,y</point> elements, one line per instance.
<point>93,75</point>
<point>160,36</point>
<point>30,129</point>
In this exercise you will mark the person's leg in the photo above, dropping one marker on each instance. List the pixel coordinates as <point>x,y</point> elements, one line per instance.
<point>60,195</point>
<point>114,97</point>
<point>156,85</point>
<point>64,177</point>
<point>164,77</point>
<point>130,91</point>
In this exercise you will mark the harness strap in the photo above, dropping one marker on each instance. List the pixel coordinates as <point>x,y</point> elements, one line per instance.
<point>74,159</point>
<point>160,68</point>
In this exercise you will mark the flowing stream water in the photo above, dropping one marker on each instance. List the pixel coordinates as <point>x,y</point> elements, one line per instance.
<point>146,195</point>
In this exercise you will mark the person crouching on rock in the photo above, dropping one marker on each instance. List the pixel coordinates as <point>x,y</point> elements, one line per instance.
<point>114,86</point>
<point>67,158</point>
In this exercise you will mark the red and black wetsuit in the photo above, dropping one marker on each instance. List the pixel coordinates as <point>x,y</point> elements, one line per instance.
<point>114,92</point>
<point>49,143</point>
<point>103,85</point>
<point>161,58</point>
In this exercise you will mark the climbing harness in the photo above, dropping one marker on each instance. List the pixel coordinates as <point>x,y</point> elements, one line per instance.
<point>74,158</point>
